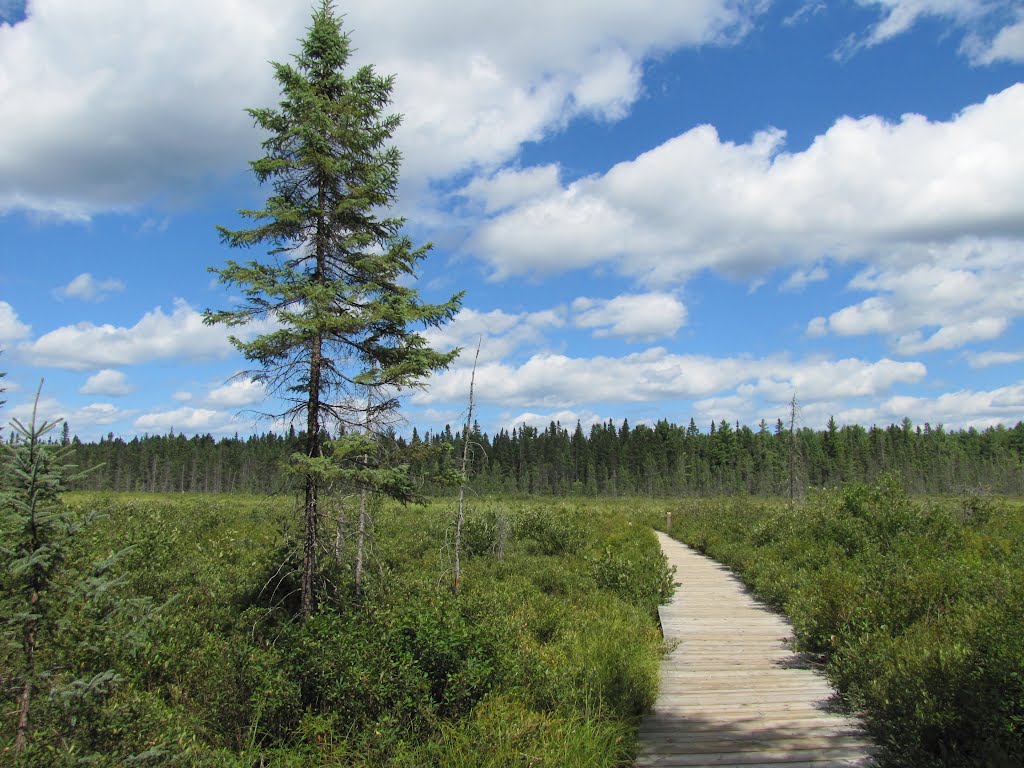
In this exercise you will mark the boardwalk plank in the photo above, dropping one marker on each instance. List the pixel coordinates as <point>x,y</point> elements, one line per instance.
<point>733,693</point>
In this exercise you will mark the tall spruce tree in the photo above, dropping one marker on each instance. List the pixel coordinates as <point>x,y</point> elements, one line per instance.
<point>345,344</point>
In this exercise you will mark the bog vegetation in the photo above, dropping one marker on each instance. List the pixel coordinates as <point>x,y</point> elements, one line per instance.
<point>916,607</point>
<point>192,653</point>
<point>166,629</point>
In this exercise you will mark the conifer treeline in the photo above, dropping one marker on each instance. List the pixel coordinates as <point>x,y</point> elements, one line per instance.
<point>666,459</point>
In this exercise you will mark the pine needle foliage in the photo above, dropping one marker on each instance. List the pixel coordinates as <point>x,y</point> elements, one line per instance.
<point>54,609</point>
<point>334,291</point>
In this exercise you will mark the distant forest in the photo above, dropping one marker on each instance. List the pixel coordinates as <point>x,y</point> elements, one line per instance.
<point>663,460</point>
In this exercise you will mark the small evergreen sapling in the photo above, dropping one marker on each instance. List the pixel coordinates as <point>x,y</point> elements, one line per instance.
<point>36,529</point>
<point>50,617</point>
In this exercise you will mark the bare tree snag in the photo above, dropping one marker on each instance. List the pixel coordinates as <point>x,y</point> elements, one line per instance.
<point>462,486</point>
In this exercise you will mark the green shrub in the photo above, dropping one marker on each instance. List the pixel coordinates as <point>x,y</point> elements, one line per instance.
<point>632,566</point>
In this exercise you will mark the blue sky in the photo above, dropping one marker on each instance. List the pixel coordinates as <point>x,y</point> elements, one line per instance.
<point>657,209</point>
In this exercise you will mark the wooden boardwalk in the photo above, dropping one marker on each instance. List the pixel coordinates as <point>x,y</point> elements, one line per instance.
<point>732,693</point>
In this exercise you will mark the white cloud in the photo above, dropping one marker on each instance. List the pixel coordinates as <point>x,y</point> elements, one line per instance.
<point>107,382</point>
<point>636,317</point>
<point>901,15</point>
<point>953,335</point>
<point>987,359</point>
<point>817,327</point>
<point>988,35</point>
<point>501,334</point>
<point>81,420</point>
<point>157,335</point>
<point>510,186</point>
<point>88,288</point>
<point>936,209</point>
<point>801,278</point>
<point>182,396</point>
<point>187,419</point>
<point>1007,45</point>
<point>11,328</point>
<point>964,408</point>
<point>870,316</point>
<point>140,90</point>
<point>826,380</point>
<point>727,407</point>
<point>566,418</point>
<point>610,88</point>
<point>935,299</point>
<point>237,393</point>
<point>156,97</point>
<point>560,382</point>
<point>808,9</point>
<point>697,202</point>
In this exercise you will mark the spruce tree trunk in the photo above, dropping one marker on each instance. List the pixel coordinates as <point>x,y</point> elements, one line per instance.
<point>25,700</point>
<point>311,512</point>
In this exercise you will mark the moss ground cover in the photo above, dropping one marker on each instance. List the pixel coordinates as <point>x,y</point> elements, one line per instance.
<point>915,606</point>
<point>547,657</point>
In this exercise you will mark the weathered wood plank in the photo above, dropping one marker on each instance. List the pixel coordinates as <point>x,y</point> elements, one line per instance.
<point>733,694</point>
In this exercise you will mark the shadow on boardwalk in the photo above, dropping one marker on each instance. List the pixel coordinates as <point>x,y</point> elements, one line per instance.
<point>750,741</point>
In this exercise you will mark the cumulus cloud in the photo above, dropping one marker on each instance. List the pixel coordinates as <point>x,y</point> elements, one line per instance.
<point>157,96</point>
<point>511,186</point>
<point>82,420</point>
<point>961,409</point>
<point>939,299</point>
<point>698,202</point>
<point>557,381</point>
<point>936,209</point>
<point>158,335</point>
<point>501,334</point>
<point>727,407</point>
<point>187,419</point>
<point>11,328</point>
<point>237,393</point>
<point>106,382</point>
<point>88,288</point>
<point>635,317</point>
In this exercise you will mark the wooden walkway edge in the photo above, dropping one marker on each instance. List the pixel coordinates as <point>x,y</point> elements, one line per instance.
<point>733,694</point>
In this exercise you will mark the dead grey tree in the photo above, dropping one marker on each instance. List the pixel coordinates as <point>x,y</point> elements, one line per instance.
<point>460,518</point>
<point>794,416</point>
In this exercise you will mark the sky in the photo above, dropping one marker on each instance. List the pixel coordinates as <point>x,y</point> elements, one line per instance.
<point>656,209</point>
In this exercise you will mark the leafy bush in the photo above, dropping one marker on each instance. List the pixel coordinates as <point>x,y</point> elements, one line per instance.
<point>632,565</point>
